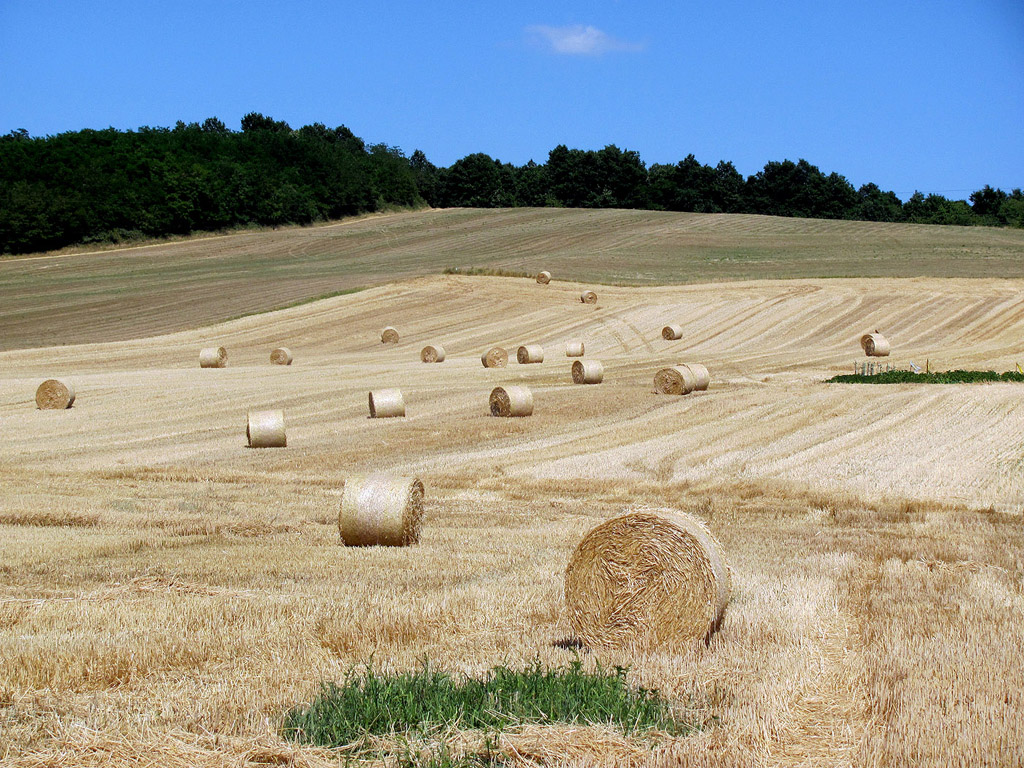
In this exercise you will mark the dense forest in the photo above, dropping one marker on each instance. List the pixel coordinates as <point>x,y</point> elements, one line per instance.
<point>112,186</point>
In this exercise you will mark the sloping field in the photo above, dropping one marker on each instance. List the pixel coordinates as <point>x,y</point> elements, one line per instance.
<point>166,593</point>
<point>136,292</point>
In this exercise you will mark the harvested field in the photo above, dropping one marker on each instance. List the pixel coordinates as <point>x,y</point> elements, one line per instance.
<point>166,593</point>
<point>100,296</point>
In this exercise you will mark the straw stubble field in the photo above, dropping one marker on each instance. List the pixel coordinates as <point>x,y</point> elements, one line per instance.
<point>167,593</point>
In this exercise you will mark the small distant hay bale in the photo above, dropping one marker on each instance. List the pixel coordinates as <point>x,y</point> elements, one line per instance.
<point>213,357</point>
<point>677,380</point>
<point>574,348</point>
<point>389,336</point>
<point>588,297</point>
<point>495,357</point>
<point>55,395</point>
<point>544,277</point>
<point>701,377</point>
<point>530,353</point>
<point>647,579</point>
<point>281,356</point>
<point>672,332</point>
<point>265,429</point>
<point>511,401</point>
<point>587,372</point>
<point>875,345</point>
<point>386,403</point>
<point>381,509</point>
<point>432,353</point>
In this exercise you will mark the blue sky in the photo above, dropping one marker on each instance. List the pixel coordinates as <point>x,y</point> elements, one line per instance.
<point>908,94</point>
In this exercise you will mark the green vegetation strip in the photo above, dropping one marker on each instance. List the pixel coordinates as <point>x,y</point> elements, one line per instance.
<point>939,377</point>
<point>493,272</point>
<point>426,701</point>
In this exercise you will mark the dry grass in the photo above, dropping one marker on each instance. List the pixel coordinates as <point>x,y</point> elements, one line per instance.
<point>166,593</point>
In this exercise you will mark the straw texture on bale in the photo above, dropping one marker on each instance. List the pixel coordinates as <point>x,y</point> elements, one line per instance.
<point>647,579</point>
<point>381,509</point>
<point>544,277</point>
<point>574,349</point>
<point>385,403</point>
<point>495,357</point>
<point>265,429</point>
<point>530,353</point>
<point>432,353</point>
<point>55,395</point>
<point>677,380</point>
<point>588,297</point>
<point>701,377</point>
<point>511,401</point>
<point>587,372</point>
<point>213,357</point>
<point>875,345</point>
<point>672,332</point>
<point>281,356</point>
<point>389,335</point>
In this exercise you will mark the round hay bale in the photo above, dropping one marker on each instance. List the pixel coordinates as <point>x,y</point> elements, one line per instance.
<point>672,332</point>
<point>875,344</point>
<point>213,357</point>
<point>55,395</point>
<point>385,403</point>
<point>281,356</point>
<point>677,380</point>
<point>389,336</point>
<point>511,401</point>
<point>701,377</point>
<point>574,348</point>
<point>265,429</point>
<point>530,353</point>
<point>587,372</point>
<point>544,277</point>
<point>588,297</point>
<point>646,579</point>
<point>381,509</point>
<point>495,357</point>
<point>432,353</point>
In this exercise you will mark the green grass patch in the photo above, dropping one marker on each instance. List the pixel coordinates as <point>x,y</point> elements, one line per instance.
<point>938,377</point>
<point>417,704</point>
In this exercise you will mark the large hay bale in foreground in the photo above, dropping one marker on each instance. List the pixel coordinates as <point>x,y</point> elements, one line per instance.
<point>544,277</point>
<point>647,579</point>
<point>265,429</point>
<point>588,297</point>
<point>875,344</point>
<point>55,395</point>
<point>701,377</point>
<point>281,356</point>
<point>381,509</point>
<point>511,401</point>
<point>495,357</point>
<point>213,357</point>
<point>587,372</point>
<point>389,336</point>
<point>677,380</point>
<point>386,403</point>
<point>432,353</point>
<point>574,348</point>
<point>672,332</point>
<point>530,353</point>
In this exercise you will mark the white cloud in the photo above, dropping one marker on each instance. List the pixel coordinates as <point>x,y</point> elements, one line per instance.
<point>578,40</point>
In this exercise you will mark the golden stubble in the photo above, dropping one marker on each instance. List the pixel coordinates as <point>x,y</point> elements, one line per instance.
<point>166,593</point>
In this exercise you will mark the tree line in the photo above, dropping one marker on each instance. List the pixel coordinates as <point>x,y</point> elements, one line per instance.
<point>110,185</point>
